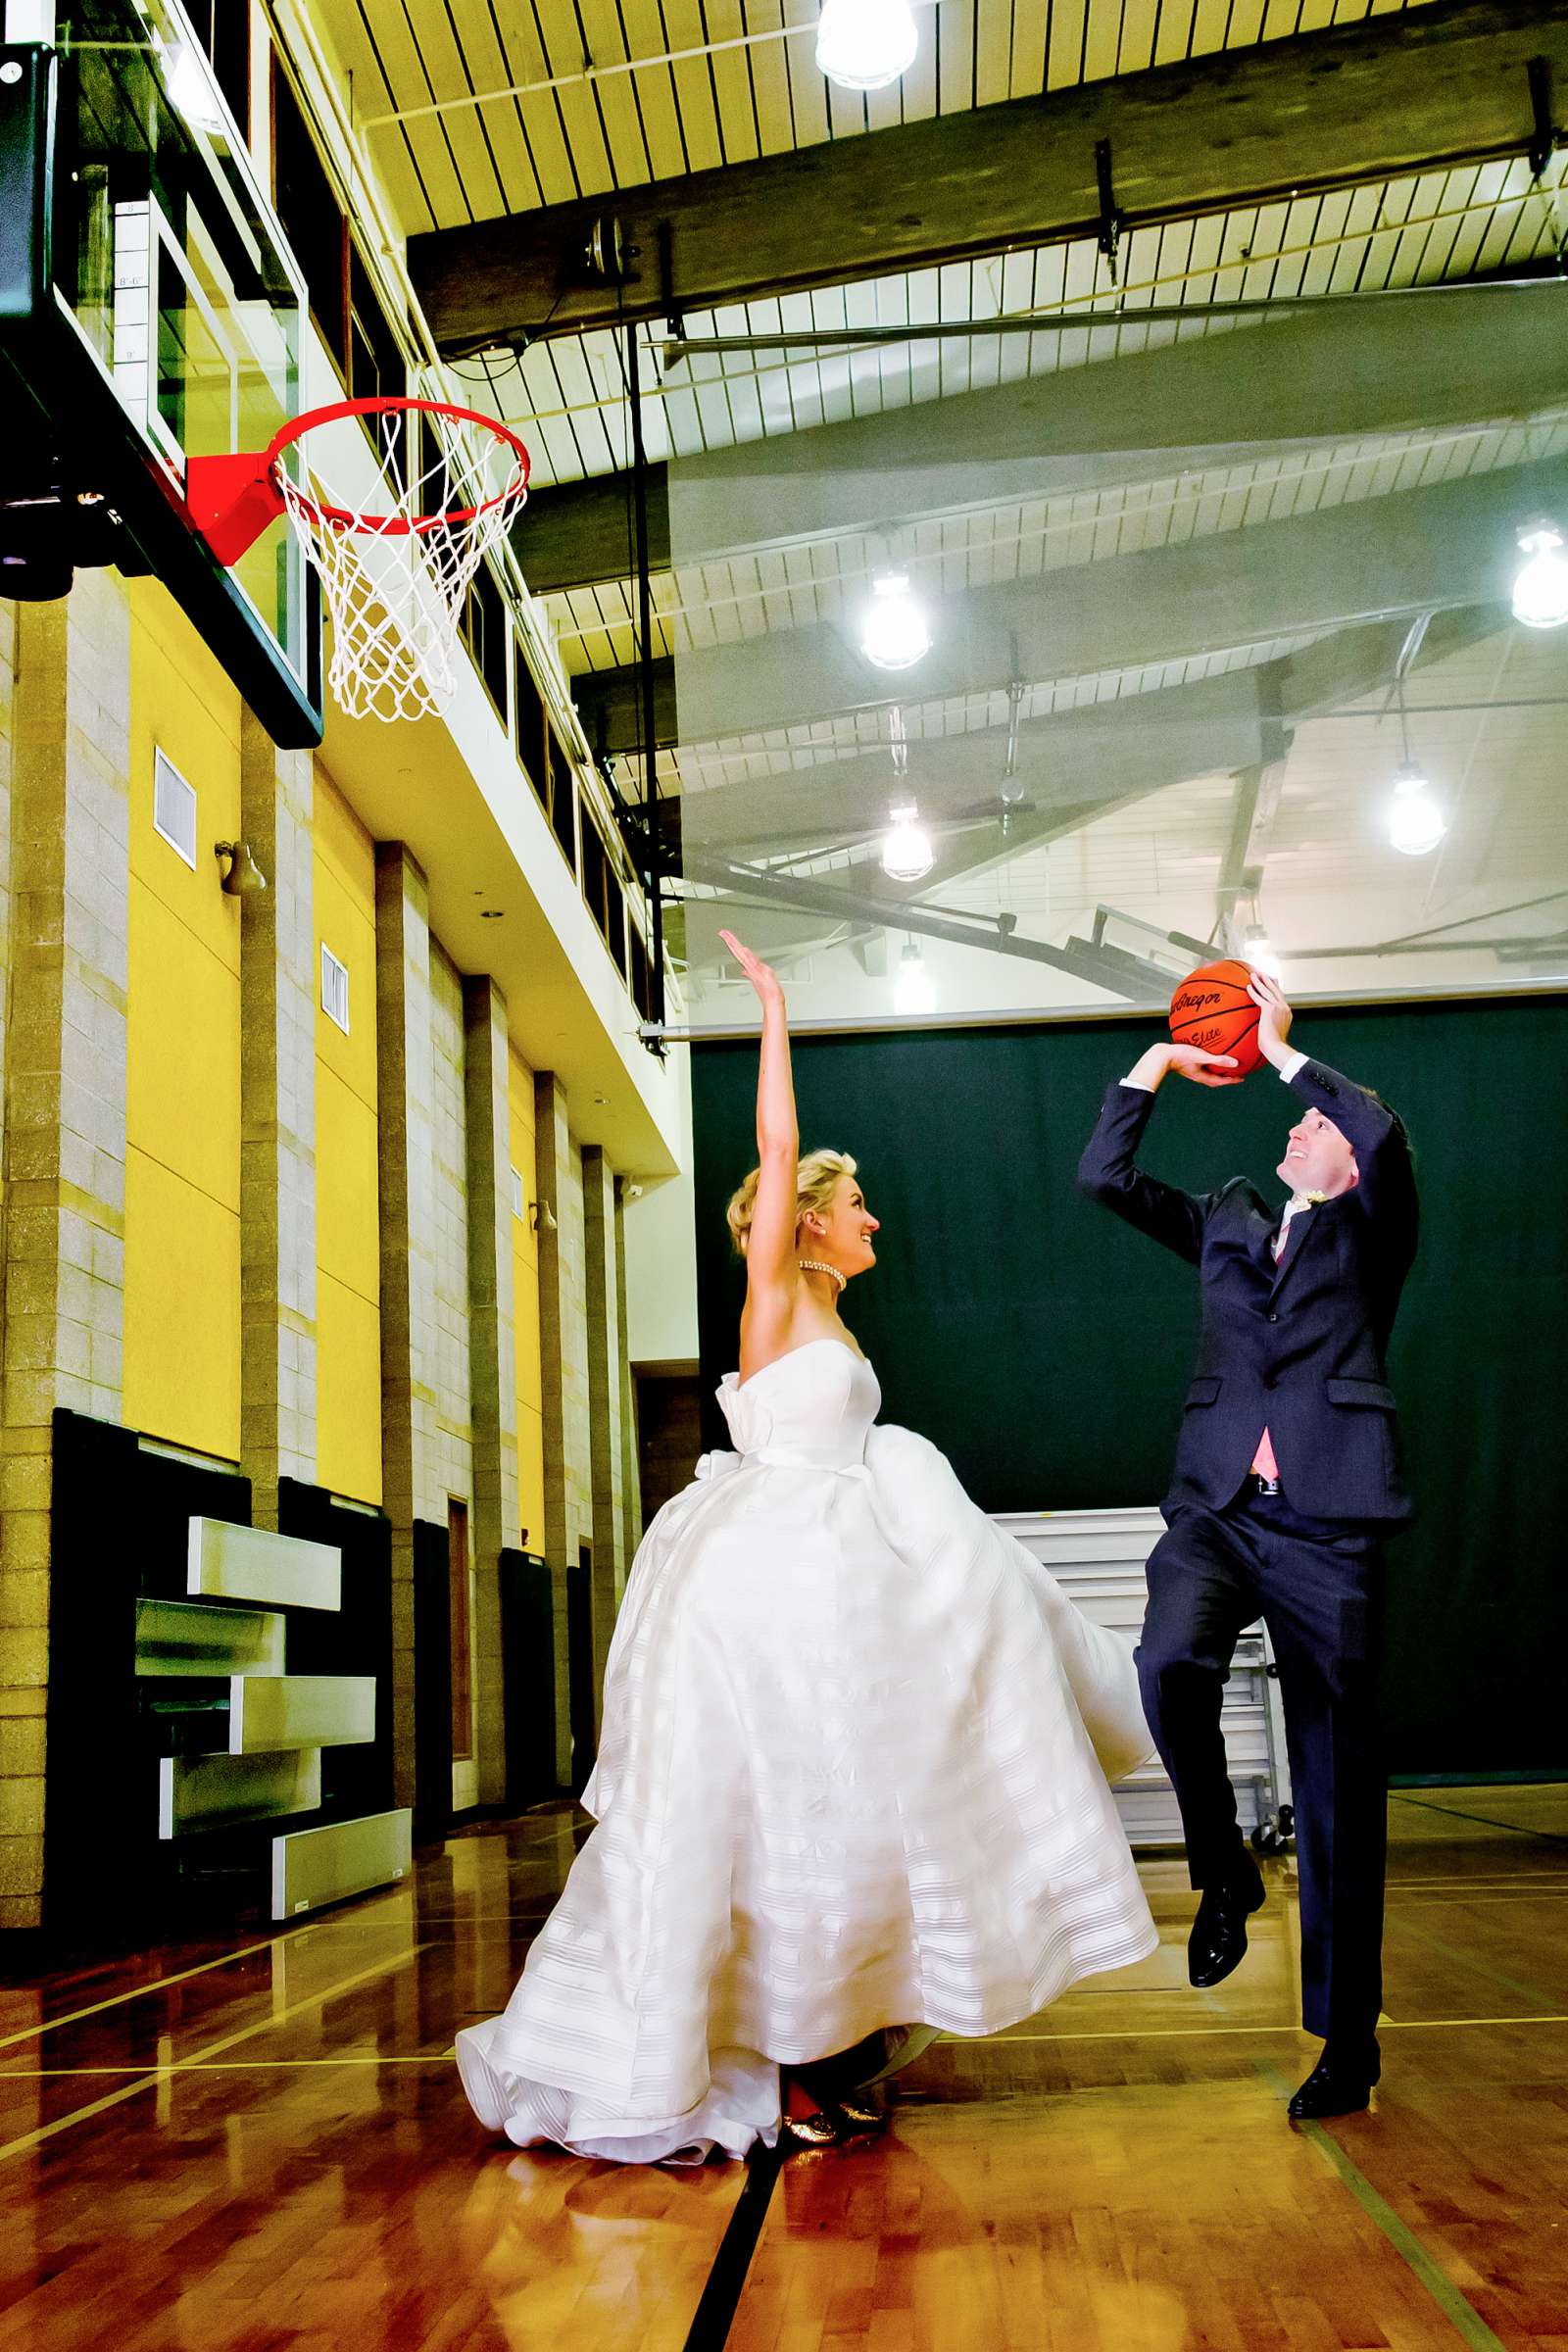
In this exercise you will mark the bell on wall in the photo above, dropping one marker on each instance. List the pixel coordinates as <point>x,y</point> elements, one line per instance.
<point>244,874</point>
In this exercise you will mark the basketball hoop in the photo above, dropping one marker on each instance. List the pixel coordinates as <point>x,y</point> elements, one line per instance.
<point>394,571</point>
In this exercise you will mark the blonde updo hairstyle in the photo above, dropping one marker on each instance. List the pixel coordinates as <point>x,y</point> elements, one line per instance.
<point>817,1179</point>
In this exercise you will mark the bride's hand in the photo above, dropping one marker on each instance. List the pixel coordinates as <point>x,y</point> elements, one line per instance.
<point>761,976</point>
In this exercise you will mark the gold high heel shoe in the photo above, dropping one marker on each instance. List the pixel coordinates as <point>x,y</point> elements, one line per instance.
<point>818,2130</point>
<point>862,2112</point>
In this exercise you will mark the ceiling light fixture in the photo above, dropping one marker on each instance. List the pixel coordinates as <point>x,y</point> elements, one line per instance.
<point>895,634</point>
<point>1541,591</point>
<point>913,990</point>
<point>1416,823</point>
<point>1257,949</point>
<point>865,44</point>
<point>906,851</point>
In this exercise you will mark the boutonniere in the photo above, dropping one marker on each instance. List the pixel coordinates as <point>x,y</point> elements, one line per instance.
<point>1314,1199</point>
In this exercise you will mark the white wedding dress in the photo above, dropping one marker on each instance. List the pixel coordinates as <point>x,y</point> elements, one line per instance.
<point>852,1776</point>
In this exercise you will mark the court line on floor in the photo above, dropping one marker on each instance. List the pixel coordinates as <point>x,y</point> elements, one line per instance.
<point>1386,2025</point>
<point>1465,1882</point>
<point>219,2066</point>
<point>247,1951</point>
<point>1516,1829</point>
<point>74,2017</point>
<point>1482,1891</point>
<point>1456,2307</point>
<point>720,2297</point>
<point>151,2076</point>
<point>1480,1968</point>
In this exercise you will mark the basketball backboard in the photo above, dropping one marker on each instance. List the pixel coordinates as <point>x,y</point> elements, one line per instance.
<point>150,313</point>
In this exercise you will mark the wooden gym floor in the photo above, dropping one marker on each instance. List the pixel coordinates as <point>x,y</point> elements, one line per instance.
<point>261,2146</point>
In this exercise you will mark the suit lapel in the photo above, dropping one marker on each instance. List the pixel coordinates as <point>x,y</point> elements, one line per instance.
<point>1260,1238</point>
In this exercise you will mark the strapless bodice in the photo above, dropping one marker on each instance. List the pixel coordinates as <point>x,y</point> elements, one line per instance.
<point>812,1408</point>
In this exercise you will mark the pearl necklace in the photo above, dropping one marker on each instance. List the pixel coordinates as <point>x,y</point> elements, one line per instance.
<point>819,1265</point>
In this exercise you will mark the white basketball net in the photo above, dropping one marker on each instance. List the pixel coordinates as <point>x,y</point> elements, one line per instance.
<point>394,595</point>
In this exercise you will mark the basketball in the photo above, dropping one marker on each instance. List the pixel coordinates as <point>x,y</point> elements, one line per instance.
<point>1211,1009</point>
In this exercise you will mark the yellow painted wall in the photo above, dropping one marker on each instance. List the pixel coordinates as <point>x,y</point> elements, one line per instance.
<point>348,1313</point>
<point>182,1113</point>
<point>525,1311</point>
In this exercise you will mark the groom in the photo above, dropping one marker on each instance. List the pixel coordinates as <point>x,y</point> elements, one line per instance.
<point>1286,1476</point>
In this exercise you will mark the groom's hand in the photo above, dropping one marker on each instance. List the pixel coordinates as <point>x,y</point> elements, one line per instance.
<point>1187,1061</point>
<point>1273,1017</point>
<point>1204,1069</point>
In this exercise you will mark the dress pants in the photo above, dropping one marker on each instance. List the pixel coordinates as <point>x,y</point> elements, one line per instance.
<point>1318,1587</point>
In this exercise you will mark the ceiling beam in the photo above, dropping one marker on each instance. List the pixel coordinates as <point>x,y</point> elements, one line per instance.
<point>1407,552</point>
<point>1129,764</point>
<point>840,902</point>
<point>609,706</point>
<point>1427,360</point>
<point>580,534</point>
<point>1132,749</point>
<point>1437,84</point>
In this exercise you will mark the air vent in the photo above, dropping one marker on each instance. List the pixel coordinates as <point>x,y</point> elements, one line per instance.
<point>175,809</point>
<point>334,989</point>
<point>518,1203</point>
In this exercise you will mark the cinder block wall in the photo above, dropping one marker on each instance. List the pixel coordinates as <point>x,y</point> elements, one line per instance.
<point>448,1390</point>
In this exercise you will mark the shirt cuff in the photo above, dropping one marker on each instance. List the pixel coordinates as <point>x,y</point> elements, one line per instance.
<point>1290,1065</point>
<point>1138,1088</point>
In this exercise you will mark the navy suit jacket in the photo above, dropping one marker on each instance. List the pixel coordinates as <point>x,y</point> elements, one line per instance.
<point>1299,1346</point>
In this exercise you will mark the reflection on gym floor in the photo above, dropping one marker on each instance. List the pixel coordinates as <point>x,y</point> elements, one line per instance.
<point>256,2144</point>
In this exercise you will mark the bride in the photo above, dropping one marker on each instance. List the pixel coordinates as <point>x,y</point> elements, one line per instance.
<point>853,1784</point>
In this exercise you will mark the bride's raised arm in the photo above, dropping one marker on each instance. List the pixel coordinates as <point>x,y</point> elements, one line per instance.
<point>771,1275</point>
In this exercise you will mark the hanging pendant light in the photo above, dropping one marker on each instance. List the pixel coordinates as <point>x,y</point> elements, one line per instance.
<point>913,992</point>
<point>895,633</point>
<point>1541,590</point>
<point>1257,949</point>
<point>865,44</point>
<point>1416,824</point>
<point>906,851</point>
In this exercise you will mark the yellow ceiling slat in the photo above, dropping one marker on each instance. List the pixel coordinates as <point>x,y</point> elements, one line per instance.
<point>496,130</point>
<point>953,27</point>
<point>694,91</point>
<point>770,76</point>
<point>1026,65</point>
<point>1102,48</point>
<point>408,79</point>
<point>808,94</point>
<point>1211,27</point>
<point>1245,29</point>
<point>992,41</point>
<point>1067,32</point>
<point>1174,32</point>
<point>617,96</point>
<point>728,21</point>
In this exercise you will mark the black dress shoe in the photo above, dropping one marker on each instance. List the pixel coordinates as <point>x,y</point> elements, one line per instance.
<point>1340,2083</point>
<point>1219,1932</point>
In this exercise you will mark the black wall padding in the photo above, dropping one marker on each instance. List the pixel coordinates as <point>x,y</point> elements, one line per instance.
<point>432,1681</point>
<point>528,1677</point>
<point>1044,1347</point>
<point>581,1679</point>
<point>121,1529</point>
